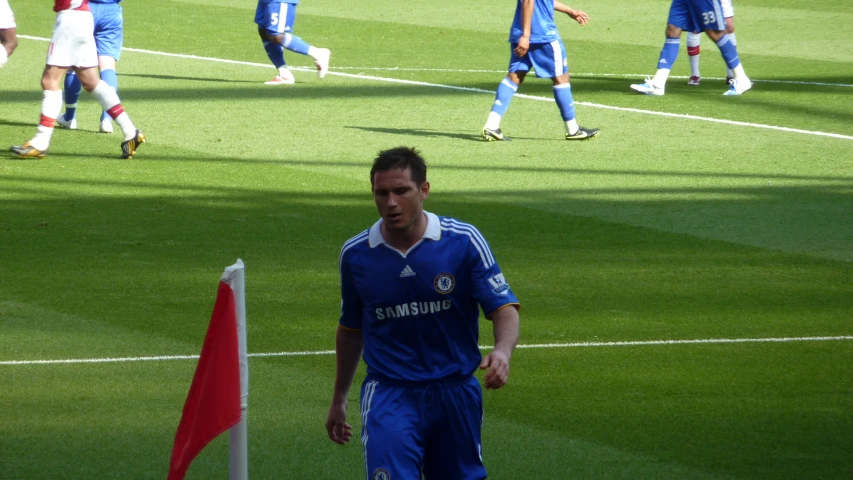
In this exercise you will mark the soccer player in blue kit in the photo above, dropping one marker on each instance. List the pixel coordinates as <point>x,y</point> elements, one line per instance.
<point>275,19</point>
<point>109,35</point>
<point>411,288</point>
<point>696,16</point>
<point>535,43</point>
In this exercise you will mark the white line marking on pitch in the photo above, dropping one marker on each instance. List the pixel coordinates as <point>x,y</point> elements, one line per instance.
<point>491,92</point>
<point>485,347</point>
<point>576,74</point>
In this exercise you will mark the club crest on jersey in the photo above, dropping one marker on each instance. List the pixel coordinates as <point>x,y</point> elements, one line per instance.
<point>499,285</point>
<point>444,283</point>
<point>381,474</point>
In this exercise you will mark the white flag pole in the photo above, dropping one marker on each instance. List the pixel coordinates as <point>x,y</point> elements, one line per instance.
<point>238,434</point>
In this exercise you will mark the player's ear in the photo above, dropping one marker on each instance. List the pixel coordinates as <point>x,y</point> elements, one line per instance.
<point>424,190</point>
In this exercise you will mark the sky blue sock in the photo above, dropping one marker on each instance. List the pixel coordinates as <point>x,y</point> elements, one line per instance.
<point>565,102</point>
<point>295,44</point>
<point>110,78</point>
<point>276,53</point>
<point>669,52</point>
<point>729,51</point>
<point>506,89</point>
<point>73,87</point>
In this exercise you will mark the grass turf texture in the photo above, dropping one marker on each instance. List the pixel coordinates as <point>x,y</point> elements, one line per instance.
<point>663,228</point>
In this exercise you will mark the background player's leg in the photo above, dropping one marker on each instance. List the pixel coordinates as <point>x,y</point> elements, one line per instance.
<point>108,98</point>
<point>544,61</point>
<point>741,83</point>
<point>109,37</point>
<point>107,67</point>
<point>297,44</point>
<point>71,94</point>
<point>9,41</point>
<point>503,96</point>
<point>51,105</point>
<point>693,40</point>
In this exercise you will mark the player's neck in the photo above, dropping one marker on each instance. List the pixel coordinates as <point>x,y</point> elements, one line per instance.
<point>403,240</point>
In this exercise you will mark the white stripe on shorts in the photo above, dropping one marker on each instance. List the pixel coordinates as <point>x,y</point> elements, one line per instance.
<point>558,58</point>
<point>282,17</point>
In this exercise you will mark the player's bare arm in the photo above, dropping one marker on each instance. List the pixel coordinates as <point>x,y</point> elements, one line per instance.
<point>526,22</point>
<point>506,325</point>
<point>579,16</point>
<point>348,347</point>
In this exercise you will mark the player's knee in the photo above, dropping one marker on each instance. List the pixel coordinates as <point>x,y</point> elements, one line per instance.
<point>672,31</point>
<point>715,35</point>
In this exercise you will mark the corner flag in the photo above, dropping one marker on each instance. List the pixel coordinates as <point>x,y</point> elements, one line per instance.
<point>216,399</point>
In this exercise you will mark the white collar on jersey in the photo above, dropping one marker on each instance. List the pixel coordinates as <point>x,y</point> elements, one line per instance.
<point>433,230</point>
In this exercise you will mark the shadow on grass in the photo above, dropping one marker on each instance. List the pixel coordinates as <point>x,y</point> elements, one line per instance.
<point>418,132</point>
<point>191,79</point>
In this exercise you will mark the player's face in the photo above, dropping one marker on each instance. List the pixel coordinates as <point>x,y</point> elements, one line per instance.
<point>399,200</point>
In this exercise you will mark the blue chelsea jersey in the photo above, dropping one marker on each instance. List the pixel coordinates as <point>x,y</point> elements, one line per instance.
<point>104,1</point>
<point>542,26</point>
<point>418,311</point>
<point>292,2</point>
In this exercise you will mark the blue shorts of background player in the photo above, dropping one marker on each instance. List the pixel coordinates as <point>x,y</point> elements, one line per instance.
<point>548,60</point>
<point>695,16</point>
<point>109,36</point>
<point>275,19</point>
<point>440,420</point>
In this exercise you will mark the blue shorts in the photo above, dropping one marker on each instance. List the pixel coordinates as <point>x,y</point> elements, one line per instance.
<point>109,29</point>
<point>547,59</point>
<point>697,15</point>
<point>276,17</point>
<point>432,429</point>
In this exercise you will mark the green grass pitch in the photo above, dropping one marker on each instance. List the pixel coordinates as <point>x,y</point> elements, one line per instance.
<point>665,227</point>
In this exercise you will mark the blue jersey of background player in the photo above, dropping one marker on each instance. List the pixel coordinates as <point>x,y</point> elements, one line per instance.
<point>109,34</point>
<point>535,43</point>
<point>412,287</point>
<point>275,19</point>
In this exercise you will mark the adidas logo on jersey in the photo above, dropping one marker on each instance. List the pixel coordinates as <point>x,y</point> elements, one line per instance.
<point>407,272</point>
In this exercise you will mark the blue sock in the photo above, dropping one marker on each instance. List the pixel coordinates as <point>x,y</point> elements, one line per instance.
<point>73,87</point>
<point>295,44</point>
<point>275,52</point>
<point>565,102</point>
<point>110,78</point>
<point>729,51</point>
<point>506,89</point>
<point>669,52</point>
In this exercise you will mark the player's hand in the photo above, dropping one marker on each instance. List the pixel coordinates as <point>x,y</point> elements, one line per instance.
<point>336,423</point>
<point>498,364</point>
<point>522,47</point>
<point>581,17</point>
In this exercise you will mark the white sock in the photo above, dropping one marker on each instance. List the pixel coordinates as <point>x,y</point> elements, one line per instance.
<point>739,73</point>
<point>659,80</point>
<point>3,56</point>
<point>108,98</point>
<point>494,121</point>
<point>314,52</point>
<point>693,41</point>
<point>51,105</point>
<point>572,126</point>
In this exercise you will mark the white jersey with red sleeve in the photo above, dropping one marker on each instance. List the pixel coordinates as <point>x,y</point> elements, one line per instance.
<point>62,5</point>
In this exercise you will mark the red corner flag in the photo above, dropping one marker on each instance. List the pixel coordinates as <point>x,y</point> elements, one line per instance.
<point>213,403</point>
